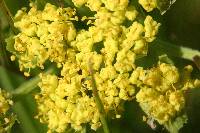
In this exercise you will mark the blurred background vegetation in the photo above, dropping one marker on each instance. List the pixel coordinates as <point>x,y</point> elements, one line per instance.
<point>180,26</point>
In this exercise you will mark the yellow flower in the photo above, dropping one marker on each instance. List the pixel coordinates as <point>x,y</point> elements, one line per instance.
<point>79,3</point>
<point>7,118</point>
<point>4,102</point>
<point>151,28</point>
<point>177,100</point>
<point>148,5</point>
<point>94,5</point>
<point>116,4</point>
<point>131,13</point>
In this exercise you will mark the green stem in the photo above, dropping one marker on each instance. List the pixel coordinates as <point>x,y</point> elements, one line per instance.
<point>8,14</point>
<point>28,86</point>
<point>22,114</point>
<point>176,50</point>
<point>98,101</point>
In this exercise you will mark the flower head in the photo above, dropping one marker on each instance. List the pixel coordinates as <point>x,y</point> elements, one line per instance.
<point>44,35</point>
<point>6,118</point>
<point>66,100</point>
<point>161,94</point>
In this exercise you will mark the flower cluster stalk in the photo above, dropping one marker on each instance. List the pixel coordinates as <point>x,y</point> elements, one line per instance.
<point>98,100</point>
<point>8,15</point>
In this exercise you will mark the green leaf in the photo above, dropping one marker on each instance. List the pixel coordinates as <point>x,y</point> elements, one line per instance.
<point>28,86</point>
<point>174,126</point>
<point>10,44</point>
<point>176,50</point>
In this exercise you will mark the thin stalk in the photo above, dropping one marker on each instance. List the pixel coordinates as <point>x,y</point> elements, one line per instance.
<point>197,61</point>
<point>2,62</point>
<point>28,86</point>
<point>98,100</point>
<point>8,15</point>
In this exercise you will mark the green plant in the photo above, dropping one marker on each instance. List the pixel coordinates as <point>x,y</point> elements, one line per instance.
<point>98,55</point>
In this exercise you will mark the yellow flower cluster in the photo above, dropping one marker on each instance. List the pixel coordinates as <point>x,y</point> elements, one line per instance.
<point>44,35</point>
<point>162,88</point>
<point>5,103</point>
<point>67,100</point>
